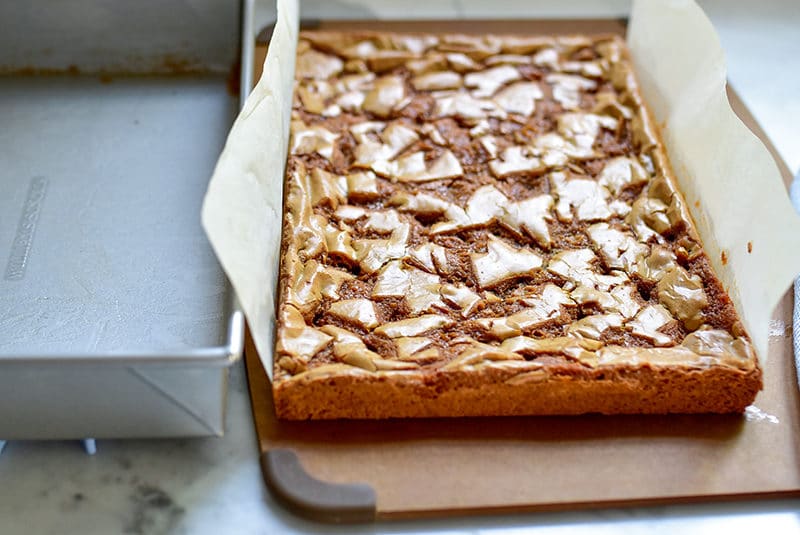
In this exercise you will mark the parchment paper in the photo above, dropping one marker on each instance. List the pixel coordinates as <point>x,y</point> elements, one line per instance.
<point>730,180</point>
<point>242,209</point>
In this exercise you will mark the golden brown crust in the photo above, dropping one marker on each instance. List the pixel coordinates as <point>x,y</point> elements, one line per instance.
<point>488,393</point>
<point>490,226</point>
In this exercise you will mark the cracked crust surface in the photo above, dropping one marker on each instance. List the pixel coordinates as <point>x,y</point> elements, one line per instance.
<point>489,226</point>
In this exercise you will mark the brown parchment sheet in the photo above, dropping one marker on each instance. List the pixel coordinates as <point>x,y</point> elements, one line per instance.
<point>420,467</point>
<point>423,467</point>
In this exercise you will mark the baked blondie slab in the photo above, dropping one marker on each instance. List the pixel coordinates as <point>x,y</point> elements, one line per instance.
<point>490,226</point>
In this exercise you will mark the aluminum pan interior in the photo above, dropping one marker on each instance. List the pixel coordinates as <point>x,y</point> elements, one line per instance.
<point>103,257</point>
<point>115,317</point>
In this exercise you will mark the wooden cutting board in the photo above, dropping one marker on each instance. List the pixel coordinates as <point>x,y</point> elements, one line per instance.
<point>361,470</point>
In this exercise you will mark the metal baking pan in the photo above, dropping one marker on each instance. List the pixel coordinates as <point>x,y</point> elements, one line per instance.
<point>115,318</point>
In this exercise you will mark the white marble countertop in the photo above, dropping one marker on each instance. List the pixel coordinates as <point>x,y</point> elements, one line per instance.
<point>214,485</point>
